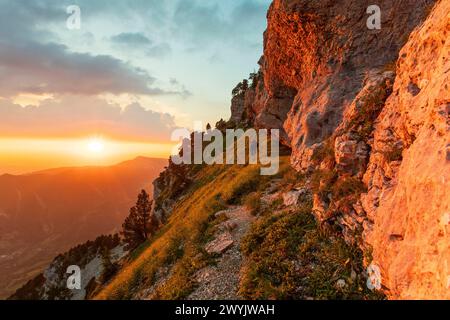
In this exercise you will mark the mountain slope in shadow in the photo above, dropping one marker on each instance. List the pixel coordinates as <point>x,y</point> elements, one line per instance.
<point>44,213</point>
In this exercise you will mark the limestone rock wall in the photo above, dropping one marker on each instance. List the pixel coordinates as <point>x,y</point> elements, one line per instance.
<point>380,99</point>
<point>325,51</point>
<point>408,200</point>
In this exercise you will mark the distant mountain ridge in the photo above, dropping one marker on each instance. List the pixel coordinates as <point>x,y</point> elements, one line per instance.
<point>46,212</point>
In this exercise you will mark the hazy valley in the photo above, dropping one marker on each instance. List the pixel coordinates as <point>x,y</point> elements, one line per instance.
<point>45,213</point>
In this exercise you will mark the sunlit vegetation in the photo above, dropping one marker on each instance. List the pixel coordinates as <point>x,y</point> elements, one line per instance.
<point>179,245</point>
<point>244,85</point>
<point>368,110</point>
<point>139,224</point>
<point>290,257</point>
<point>253,202</point>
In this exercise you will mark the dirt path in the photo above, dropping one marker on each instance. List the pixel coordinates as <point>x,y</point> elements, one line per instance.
<point>222,280</point>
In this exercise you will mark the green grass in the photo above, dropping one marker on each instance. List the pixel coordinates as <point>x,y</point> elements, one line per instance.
<point>289,257</point>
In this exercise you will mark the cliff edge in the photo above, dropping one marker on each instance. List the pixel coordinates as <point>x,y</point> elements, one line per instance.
<point>371,115</point>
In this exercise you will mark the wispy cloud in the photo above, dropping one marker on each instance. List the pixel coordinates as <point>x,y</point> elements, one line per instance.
<point>139,42</point>
<point>130,39</point>
<point>50,68</point>
<point>72,116</point>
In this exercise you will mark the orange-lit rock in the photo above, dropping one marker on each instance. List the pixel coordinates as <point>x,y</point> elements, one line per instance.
<point>409,201</point>
<point>324,51</point>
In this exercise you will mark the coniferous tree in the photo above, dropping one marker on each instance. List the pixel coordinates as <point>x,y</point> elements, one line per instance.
<point>139,224</point>
<point>254,78</point>
<point>244,85</point>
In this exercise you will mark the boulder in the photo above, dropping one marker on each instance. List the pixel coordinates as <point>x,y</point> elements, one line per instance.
<point>291,198</point>
<point>220,244</point>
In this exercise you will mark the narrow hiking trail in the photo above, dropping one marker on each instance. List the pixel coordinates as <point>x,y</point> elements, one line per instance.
<point>221,281</point>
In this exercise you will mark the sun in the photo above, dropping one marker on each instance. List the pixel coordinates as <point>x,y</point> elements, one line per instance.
<point>96,145</point>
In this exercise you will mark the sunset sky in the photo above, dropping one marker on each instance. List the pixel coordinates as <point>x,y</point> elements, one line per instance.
<point>118,86</point>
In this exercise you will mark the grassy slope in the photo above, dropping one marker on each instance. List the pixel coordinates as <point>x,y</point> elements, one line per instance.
<point>180,242</point>
<point>288,256</point>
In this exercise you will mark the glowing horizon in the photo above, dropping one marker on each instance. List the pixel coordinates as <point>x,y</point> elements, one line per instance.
<point>25,155</point>
<point>130,85</point>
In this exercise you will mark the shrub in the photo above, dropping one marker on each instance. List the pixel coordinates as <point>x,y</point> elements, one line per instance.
<point>370,108</point>
<point>396,154</point>
<point>290,258</point>
<point>174,250</point>
<point>322,181</point>
<point>271,246</point>
<point>253,202</point>
<point>346,186</point>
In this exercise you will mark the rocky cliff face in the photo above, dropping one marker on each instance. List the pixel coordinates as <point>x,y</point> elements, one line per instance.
<point>368,118</point>
<point>257,108</point>
<point>325,51</point>
<point>408,200</point>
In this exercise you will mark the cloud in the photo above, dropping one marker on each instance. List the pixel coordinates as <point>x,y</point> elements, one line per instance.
<point>179,87</point>
<point>51,68</point>
<point>74,116</point>
<point>139,42</point>
<point>159,51</point>
<point>32,62</point>
<point>128,38</point>
<point>207,23</point>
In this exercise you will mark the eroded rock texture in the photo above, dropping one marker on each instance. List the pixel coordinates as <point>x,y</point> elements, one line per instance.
<point>408,200</point>
<point>259,109</point>
<point>325,51</point>
<point>380,100</point>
